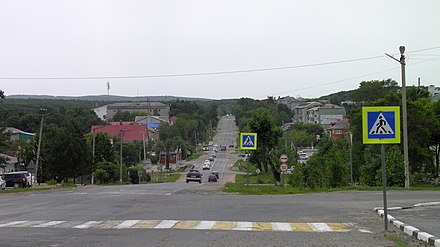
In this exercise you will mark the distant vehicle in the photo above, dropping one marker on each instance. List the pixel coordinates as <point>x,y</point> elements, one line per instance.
<point>2,183</point>
<point>194,177</point>
<point>211,158</point>
<point>231,145</point>
<point>215,173</point>
<point>214,155</point>
<point>222,148</point>
<point>205,148</point>
<point>215,149</point>
<point>16,179</point>
<point>212,178</point>
<point>206,167</point>
<point>207,162</point>
<point>210,143</point>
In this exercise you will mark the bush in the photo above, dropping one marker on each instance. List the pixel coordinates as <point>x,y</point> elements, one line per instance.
<point>52,182</point>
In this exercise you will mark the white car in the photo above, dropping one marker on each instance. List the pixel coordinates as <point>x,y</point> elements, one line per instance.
<point>207,162</point>
<point>2,183</point>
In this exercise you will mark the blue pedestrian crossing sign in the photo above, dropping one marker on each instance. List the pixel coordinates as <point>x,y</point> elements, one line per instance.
<point>381,124</point>
<point>248,141</point>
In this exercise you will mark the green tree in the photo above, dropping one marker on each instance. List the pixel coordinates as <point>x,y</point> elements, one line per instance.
<point>268,135</point>
<point>107,172</point>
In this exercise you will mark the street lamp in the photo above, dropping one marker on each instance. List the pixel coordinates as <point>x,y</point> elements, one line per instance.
<point>404,114</point>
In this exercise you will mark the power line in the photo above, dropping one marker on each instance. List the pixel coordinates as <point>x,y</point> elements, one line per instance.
<point>205,73</point>
<point>192,74</point>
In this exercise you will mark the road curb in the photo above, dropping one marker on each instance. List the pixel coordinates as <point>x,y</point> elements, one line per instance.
<point>408,229</point>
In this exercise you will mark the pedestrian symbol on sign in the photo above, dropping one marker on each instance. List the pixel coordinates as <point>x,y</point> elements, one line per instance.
<point>248,142</point>
<point>381,126</point>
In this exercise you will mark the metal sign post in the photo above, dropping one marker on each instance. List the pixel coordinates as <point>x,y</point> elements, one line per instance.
<point>384,182</point>
<point>381,125</point>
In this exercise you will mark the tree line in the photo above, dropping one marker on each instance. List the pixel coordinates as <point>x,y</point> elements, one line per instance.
<point>67,144</point>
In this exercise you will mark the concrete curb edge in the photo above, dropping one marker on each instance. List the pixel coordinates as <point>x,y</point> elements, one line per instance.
<point>410,230</point>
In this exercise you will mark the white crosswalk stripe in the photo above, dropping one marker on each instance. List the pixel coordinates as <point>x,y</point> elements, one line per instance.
<point>87,224</point>
<point>127,224</point>
<point>205,225</point>
<point>284,227</point>
<point>165,224</point>
<point>12,223</point>
<point>50,223</point>
<point>320,227</point>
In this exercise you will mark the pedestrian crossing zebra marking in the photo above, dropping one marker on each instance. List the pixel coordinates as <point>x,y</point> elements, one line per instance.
<point>184,225</point>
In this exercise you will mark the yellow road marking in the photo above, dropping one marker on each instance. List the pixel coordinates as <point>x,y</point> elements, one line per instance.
<point>108,224</point>
<point>186,224</point>
<point>301,227</point>
<point>262,226</point>
<point>223,225</point>
<point>339,227</point>
<point>146,224</point>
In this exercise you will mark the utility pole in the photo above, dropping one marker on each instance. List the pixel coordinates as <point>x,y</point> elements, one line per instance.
<point>120,160</point>
<point>39,146</point>
<point>93,154</point>
<point>404,114</point>
<point>351,159</point>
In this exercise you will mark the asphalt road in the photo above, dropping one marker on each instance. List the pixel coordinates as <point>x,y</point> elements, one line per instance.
<point>181,214</point>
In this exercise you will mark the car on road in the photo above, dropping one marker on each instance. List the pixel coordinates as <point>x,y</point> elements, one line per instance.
<point>207,162</point>
<point>2,183</point>
<point>16,179</point>
<point>222,148</point>
<point>205,148</point>
<point>211,158</point>
<point>194,176</point>
<point>231,145</point>
<point>212,178</point>
<point>216,174</point>
<point>206,167</point>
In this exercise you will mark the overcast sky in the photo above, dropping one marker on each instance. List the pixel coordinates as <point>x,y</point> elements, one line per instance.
<point>156,39</point>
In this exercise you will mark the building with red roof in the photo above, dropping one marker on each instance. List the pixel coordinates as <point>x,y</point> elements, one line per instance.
<point>130,131</point>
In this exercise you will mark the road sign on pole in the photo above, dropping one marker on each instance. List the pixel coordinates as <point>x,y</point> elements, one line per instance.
<point>284,158</point>
<point>248,141</point>
<point>283,167</point>
<point>381,125</point>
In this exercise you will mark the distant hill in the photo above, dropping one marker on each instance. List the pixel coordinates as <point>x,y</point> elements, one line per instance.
<point>109,98</point>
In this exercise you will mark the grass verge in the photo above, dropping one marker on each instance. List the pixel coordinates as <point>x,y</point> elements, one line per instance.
<point>264,184</point>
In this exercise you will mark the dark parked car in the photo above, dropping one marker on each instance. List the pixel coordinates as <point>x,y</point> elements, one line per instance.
<point>215,173</point>
<point>16,179</point>
<point>194,176</point>
<point>212,178</point>
<point>222,148</point>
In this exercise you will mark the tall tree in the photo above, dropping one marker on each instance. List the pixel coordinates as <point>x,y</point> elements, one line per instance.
<point>268,135</point>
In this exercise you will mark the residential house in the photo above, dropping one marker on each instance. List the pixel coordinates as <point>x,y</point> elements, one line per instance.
<point>434,92</point>
<point>339,129</point>
<point>150,108</point>
<point>325,115</point>
<point>16,134</point>
<point>11,165</point>
<point>174,157</point>
<point>153,122</point>
<point>128,130</point>
<point>300,112</point>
